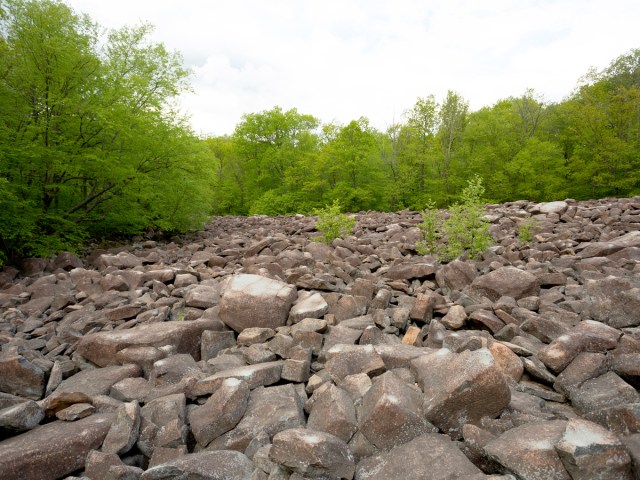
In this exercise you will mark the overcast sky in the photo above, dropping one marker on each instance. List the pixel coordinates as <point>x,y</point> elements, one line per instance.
<point>343,59</point>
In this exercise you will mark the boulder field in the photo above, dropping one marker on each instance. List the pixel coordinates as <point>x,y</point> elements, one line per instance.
<point>249,351</point>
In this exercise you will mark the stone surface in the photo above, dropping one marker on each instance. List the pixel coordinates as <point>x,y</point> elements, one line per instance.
<point>506,281</point>
<point>53,450</point>
<point>460,388</point>
<point>427,457</point>
<point>392,413</point>
<point>206,465</point>
<point>183,336</point>
<point>255,301</point>
<point>19,376</point>
<point>333,412</point>
<point>221,412</point>
<point>313,454</point>
<point>270,410</point>
<point>123,433</point>
<point>589,451</point>
<point>528,451</point>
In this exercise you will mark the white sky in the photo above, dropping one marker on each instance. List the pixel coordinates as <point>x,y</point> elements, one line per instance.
<point>342,59</point>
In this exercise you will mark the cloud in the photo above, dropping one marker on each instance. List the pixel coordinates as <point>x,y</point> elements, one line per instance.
<point>342,59</point>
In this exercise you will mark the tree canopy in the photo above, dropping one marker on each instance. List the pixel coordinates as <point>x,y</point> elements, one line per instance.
<point>90,141</point>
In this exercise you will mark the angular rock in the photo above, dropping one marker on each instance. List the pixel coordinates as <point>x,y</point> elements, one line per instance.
<point>586,336</point>
<point>333,412</point>
<point>255,301</point>
<point>95,382</point>
<point>19,376</point>
<point>252,335</point>
<point>460,388</point>
<point>392,413</point>
<point>52,450</point>
<point>313,454</point>
<point>343,360</point>
<point>528,451</point>
<point>506,281</point>
<point>456,275</point>
<point>205,465</point>
<point>270,410</point>
<point>123,433</point>
<point>212,342</point>
<point>430,456</point>
<point>261,374</point>
<point>75,412</point>
<point>411,270</point>
<point>312,306</point>
<point>589,451</point>
<point>18,414</point>
<point>509,362</point>
<point>221,412</point>
<point>597,394</point>
<point>601,249</point>
<point>184,336</point>
<point>202,296</point>
<point>162,424</point>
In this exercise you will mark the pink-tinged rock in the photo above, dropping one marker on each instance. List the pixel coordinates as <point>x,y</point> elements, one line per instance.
<point>430,456</point>
<point>411,270</point>
<point>18,414</point>
<point>392,413</point>
<point>506,281</point>
<point>597,394</point>
<point>205,465</point>
<point>313,454</point>
<point>528,451</point>
<point>202,296</point>
<point>121,260</point>
<point>333,412</point>
<point>96,382</point>
<point>509,362</point>
<point>212,342</point>
<point>587,336</point>
<point>456,275</point>
<point>602,249</point>
<point>591,452</point>
<point>54,450</point>
<point>163,424</point>
<point>75,412</point>
<point>18,376</point>
<point>270,410</point>
<point>255,301</point>
<point>101,347</point>
<point>123,433</point>
<point>260,374</point>
<point>221,412</point>
<point>460,388</point>
<point>312,306</point>
<point>343,360</point>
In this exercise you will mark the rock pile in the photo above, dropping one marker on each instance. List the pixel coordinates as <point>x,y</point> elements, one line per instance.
<point>249,351</point>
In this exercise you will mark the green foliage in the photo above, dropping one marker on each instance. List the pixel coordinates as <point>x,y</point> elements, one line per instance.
<point>90,144</point>
<point>527,229</point>
<point>464,231</point>
<point>332,224</point>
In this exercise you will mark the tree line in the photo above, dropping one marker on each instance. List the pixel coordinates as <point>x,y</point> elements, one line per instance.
<point>92,144</point>
<point>587,146</point>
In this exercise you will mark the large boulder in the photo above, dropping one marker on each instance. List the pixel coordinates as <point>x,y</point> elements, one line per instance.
<point>101,347</point>
<point>54,450</point>
<point>313,454</point>
<point>430,456</point>
<point>506,281</point>
<point>206,465</point>
<point>460,388</point>
<point>256,301</point>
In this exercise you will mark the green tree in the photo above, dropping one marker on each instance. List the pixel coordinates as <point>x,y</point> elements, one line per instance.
<point>90,143</point>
